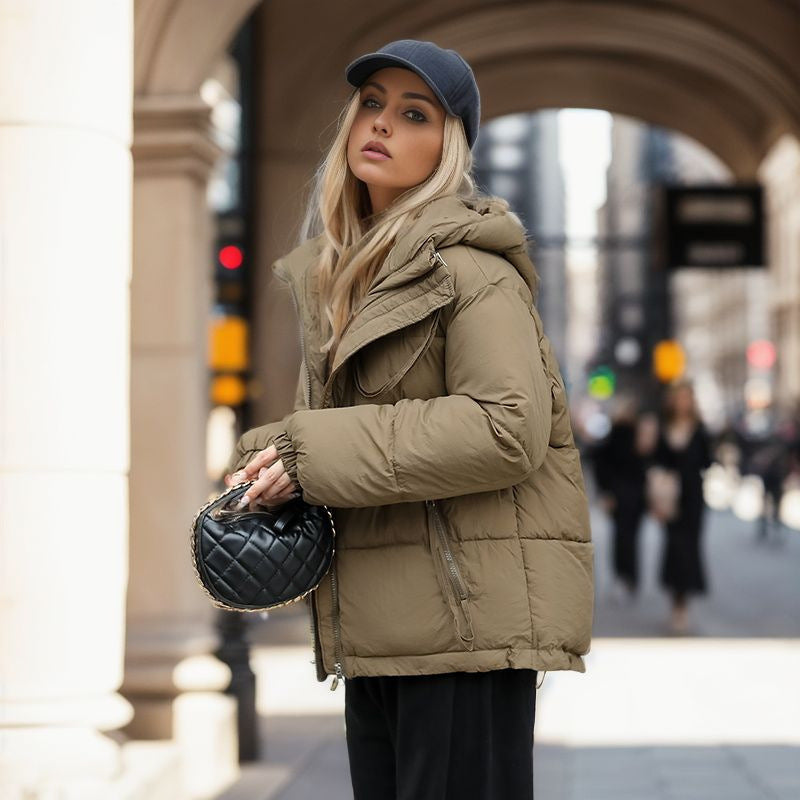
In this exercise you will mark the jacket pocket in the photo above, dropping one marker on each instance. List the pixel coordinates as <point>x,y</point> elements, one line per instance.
<point>457,596</point>
<point>382,364</point>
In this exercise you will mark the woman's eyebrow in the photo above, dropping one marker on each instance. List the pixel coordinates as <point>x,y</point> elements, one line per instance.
<point>411,95</point>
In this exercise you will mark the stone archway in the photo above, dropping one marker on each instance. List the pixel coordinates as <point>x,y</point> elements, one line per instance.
<point>728,79</point>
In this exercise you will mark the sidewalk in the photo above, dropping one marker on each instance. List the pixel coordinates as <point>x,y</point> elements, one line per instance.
<point>701,717</point>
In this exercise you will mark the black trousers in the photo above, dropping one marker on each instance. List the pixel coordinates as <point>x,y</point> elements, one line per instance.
<point>451,736</point>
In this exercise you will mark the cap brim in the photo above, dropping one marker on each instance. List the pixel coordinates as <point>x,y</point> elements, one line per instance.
<point>359,70</point>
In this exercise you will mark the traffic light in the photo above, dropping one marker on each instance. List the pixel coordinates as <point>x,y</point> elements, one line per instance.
<point>229,269</point>
<point>228,359</point>
<point>669,360</point>
<point>228,345</point>
<point>602,382</point>
<point>761,354</point>
<point>230,257</point>
<point>228,390</point>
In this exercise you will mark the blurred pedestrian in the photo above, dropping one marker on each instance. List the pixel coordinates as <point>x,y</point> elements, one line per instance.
<point>620,462</point>
<point>684,447</point>
<point>772,460</point>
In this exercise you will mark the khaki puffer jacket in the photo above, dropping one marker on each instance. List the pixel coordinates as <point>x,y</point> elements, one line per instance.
<point>441,442</point>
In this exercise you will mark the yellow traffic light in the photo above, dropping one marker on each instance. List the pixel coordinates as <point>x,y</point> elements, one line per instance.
<point>228,390</point>
<point>669,360</point>
<point>228,344</point>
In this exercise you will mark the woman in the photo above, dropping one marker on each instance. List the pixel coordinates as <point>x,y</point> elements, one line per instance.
<point>684,446</point>
<point>431,418</point>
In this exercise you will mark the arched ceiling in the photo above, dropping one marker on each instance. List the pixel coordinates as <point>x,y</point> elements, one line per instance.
<point>725,72</point>
<point>177,42</point>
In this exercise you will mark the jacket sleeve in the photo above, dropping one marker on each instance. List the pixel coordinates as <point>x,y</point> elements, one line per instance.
<point>256,439</point>
<point>489,432</point>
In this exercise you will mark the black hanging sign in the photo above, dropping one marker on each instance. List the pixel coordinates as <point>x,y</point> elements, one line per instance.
<point>714,226</point>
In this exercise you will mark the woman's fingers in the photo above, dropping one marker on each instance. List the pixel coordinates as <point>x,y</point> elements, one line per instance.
<point>273,493</point>
<point>270,481</point>
<point>264,458</point>
<point>282,497</point>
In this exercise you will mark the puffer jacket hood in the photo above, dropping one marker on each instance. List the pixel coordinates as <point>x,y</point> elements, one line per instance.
<point>440,439</point>
<point>482,222</point>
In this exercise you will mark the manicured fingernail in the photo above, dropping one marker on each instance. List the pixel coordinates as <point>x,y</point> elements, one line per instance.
<point>243,501</point>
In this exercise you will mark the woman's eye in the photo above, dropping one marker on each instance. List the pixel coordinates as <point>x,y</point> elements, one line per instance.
<point>420,117</point>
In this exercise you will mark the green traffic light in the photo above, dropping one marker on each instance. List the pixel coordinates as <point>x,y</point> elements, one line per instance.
<point>602,382</point>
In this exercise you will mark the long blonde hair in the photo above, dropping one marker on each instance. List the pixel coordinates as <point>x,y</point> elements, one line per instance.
<point>355,242</point>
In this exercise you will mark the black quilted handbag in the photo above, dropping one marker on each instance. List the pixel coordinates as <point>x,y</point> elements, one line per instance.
<point>258,560</point>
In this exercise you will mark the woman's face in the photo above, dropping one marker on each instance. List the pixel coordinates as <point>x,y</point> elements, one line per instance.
<point>683,401</point>
<point>399,111</point>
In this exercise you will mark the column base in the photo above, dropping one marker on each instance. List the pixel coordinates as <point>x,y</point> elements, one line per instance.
<point>73,764</point>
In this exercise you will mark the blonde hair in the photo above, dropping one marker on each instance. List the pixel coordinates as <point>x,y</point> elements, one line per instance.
<point>356,242</point>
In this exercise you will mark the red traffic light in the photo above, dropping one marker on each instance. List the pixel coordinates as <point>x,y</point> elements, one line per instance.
<point>761,354</point>
<point>231,257</point>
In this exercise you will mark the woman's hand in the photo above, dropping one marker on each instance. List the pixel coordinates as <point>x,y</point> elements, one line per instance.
<point>272,485</point>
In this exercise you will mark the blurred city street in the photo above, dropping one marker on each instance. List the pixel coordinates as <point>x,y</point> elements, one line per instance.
<point>706,716</point>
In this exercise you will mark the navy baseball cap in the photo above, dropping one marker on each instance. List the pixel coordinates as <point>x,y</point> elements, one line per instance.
<point>445,71</point>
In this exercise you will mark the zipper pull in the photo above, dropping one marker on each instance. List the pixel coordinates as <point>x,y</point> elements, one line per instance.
<point>335,682</point>
<point>437,254</point>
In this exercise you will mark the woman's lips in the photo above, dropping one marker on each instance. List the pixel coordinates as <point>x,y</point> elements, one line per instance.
<point>374,154</point>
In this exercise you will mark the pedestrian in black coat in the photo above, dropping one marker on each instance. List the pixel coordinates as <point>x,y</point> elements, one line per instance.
<point>684,446</point>
<point>619,468</point>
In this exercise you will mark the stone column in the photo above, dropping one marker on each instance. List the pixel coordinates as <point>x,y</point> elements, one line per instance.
<point>780,174</point>
<point>65,236</point>
<point>170,620</point>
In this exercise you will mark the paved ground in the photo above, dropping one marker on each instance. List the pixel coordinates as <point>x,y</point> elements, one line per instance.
<point>711,715</point>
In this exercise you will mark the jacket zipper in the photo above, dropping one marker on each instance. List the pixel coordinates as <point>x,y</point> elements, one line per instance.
<point>454,574</point>
<point>337,636</point>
